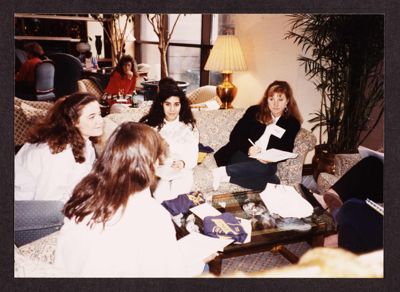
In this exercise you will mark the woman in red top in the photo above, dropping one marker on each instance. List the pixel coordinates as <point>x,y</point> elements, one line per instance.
<point>35,56</point>
<point>123,78</point>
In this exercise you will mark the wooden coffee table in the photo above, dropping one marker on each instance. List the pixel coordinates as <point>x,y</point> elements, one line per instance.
<point>267,238</point>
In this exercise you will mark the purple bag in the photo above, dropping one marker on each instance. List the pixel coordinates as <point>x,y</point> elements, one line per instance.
<point>224,226</point>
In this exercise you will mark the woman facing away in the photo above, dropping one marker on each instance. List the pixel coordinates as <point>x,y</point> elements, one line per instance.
<point>273,123</point>
<point>123,78</point>
<point>59,151</point>
<point>113,227</point>
<point>171,116</point>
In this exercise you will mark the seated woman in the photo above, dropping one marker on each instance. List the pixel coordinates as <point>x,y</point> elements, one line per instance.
<point>113,227</point>
<point>123,78</point>
<point>25,77</point>
<point>360,228</point>
<point>172,117</point>
<point>273,123</point>
<point>59,151</point>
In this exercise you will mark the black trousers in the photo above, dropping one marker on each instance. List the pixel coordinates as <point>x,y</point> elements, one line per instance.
<point>360,228</point>
<point>250,173</point>
<point>364,180</point>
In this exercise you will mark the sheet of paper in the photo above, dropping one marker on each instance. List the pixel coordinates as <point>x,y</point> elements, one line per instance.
<point>246,224</point>
<point>196,246</point>
<point>285,201</point>
<point>274,155</point>
<point>204,210</point>
<point>365,152</point>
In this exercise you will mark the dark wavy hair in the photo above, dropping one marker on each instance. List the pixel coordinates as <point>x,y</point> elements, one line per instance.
<point>125,167</point>
<point>264,113</point>
<point>168,87</point>
<point>126,59</point>
<point>58,129</point>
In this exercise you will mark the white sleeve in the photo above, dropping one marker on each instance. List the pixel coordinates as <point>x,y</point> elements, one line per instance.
<point>190,151</point>
<point>28,168</point>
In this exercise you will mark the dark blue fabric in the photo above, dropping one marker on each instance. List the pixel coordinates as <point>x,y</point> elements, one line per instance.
<point>223,226</point>
<point>183,203</point>
<point>206,149</point>
<point>360,228</point>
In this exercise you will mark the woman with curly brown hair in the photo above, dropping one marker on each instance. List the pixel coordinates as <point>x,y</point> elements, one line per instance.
<point>123,78</point>
<point>273,123</point>
<point>113,227</point>
<point>59,151</point>
<point>171,116</point>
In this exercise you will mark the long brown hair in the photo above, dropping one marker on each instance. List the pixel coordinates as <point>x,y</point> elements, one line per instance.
<point>264,113</point>
<point>120,66</point>
<point>126,166</point>
<point>58,127</point>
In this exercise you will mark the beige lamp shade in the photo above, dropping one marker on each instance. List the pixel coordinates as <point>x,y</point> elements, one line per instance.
<point>226,55</point>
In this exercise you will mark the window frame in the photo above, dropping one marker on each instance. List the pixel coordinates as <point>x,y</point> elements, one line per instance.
<point>204,46</point>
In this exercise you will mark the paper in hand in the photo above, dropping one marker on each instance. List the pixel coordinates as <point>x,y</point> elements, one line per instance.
<point>274,155</point>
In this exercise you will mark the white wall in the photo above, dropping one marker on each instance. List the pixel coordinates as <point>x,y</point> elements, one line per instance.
<point>269,57</point>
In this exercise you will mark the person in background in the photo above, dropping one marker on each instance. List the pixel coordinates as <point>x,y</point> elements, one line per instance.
<point>123,78</point>
<point>89,61</point>
<point>25,77</point>
<point>360,228</point>
<point>113,227</point>
<point>59,151</point>
<point>273,123</point>
<point>171,116</point>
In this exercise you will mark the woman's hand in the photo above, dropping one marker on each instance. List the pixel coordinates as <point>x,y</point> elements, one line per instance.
<point>129,75</point>
<point>178,164</point>
<point>253,150</point>
<point>263,161</point>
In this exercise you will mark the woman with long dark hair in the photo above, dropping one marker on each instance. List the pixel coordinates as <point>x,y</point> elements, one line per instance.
<point>171,116</point>
<point>123,78</point>
<point>113,227</point>
<point>273,123</point>
<point>59,151</point>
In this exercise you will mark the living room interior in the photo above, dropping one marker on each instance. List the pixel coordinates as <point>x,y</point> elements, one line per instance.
<point>270,53</point>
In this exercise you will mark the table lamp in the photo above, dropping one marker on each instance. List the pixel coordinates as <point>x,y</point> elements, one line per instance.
<point>226,56</point>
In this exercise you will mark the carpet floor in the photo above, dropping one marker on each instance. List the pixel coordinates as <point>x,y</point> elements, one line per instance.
<point>262,261</point>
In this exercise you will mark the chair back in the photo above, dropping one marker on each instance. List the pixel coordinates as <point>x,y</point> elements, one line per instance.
<point>68,72</point>
<point>44,76</point>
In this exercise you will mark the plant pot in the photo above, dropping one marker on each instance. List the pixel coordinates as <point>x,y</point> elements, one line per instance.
<point>150,88</point>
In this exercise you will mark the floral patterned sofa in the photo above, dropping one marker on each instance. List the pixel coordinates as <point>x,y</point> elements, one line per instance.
<point>214,128</point>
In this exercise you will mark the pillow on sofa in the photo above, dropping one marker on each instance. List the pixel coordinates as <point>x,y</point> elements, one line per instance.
<point>31,113</point>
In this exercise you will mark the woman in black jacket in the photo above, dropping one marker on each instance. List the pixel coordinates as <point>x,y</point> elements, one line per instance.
<point>273,123</point>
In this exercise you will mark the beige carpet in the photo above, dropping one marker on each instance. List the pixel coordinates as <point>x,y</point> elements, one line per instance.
<point>261,261</point>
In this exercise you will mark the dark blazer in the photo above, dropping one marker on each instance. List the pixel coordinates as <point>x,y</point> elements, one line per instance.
<point>248,127</point>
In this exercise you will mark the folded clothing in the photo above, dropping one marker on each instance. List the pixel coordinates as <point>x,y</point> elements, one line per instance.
<point>225,226</point>
<point>183,203</point>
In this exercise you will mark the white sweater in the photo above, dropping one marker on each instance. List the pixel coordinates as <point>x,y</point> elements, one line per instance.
<point>41,175</point>
<point>183,142</point>
<point>140,242</point>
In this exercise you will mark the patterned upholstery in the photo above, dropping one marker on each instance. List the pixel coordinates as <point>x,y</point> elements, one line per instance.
<point>214,128</point>
<point>343,162</point>
<point>22,121</point>
<point>202,94</point>
<point>87,85</point>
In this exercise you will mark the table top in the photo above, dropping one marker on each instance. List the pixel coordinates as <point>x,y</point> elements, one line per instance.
<point>267,228</point>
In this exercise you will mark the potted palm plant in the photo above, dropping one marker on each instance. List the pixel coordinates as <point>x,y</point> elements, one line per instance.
<point>343,57</point>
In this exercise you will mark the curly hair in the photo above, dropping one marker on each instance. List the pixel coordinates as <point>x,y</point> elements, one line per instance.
<point>264,113</point>
<point>125,167</point>
<point>168,87</point>
<point>58,129</point>
<point>120,66</point>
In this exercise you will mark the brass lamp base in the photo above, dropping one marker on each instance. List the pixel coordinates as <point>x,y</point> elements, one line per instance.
<point>226,91</point>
